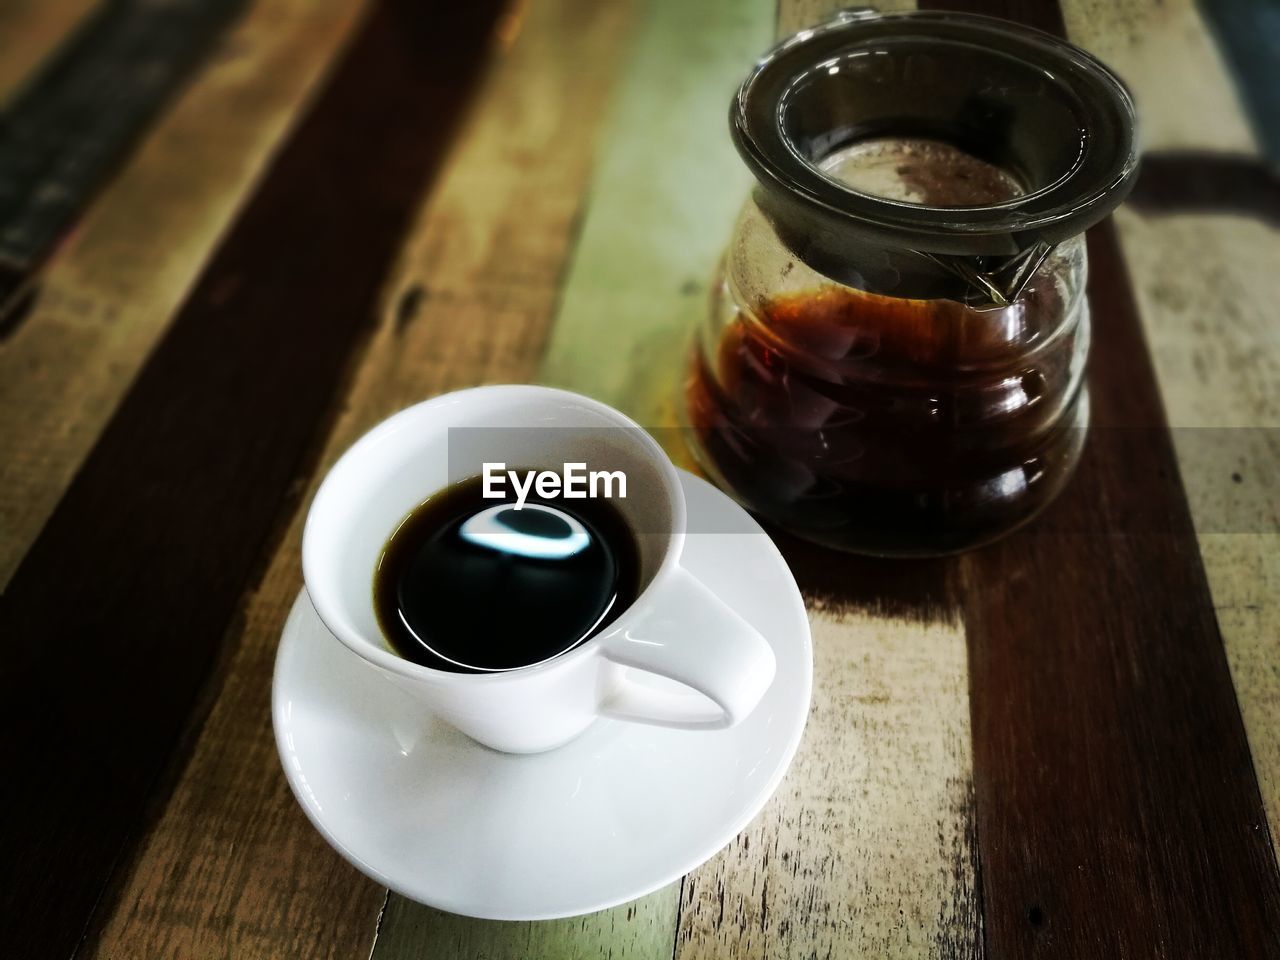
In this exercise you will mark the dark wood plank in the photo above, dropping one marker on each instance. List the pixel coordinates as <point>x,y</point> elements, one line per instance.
<point>112,289</point>
<point>74,122</point>
<point>1118,810</point>
<point>115,618</point>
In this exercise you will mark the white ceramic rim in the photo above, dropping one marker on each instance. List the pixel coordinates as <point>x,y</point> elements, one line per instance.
<point>514,394</point>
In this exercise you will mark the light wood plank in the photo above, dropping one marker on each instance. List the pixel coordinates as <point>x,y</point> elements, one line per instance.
<point>1168,58</point>
<point>232,867</point>
<point>867,850</point>
<point>664,196</point>
<point>109,293</point>
<point>1208,288</point>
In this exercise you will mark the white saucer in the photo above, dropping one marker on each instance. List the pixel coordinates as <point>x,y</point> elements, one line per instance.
<point>615,814</point>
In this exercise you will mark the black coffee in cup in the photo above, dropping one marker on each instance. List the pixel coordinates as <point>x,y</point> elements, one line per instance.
<point>469,583</point>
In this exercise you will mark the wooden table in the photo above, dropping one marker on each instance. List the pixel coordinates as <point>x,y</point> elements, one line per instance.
<point>1063,745</point>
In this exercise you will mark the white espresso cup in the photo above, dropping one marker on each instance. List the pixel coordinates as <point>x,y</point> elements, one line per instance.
<point>676,630</point>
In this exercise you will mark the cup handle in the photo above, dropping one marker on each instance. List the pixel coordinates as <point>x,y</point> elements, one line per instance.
<point>694,638</point>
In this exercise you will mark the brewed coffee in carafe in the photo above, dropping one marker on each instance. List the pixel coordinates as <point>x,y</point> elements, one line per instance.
<point>894,358</point>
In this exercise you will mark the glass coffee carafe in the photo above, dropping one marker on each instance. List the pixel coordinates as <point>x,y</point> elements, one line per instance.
<point>893,362</point>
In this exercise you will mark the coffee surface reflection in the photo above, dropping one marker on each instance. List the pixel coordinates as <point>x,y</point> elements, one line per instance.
<point>467,584</point>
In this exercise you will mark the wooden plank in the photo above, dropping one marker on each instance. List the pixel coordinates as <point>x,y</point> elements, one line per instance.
<point>76,120</point>
<point>839,861</point>
<point>118,612</point>
<point>867,849</point>
<point>111,290</point>
<point>29,31</point>
<point>1118,814</point>
<point>1168,58</point>
<point>231,866</point>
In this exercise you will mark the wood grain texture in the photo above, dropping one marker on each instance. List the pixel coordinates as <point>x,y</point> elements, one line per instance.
<point>867,848</point>
<point>231,867</point>
<point>1164,52</point>
<point>470,300</point>
<point>118,612</point>
<point>110,291</point>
